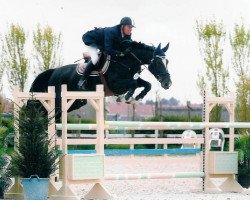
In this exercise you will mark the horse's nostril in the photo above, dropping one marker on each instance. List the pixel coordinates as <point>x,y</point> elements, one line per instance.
<point>166,84</point>
<point>169,83</point>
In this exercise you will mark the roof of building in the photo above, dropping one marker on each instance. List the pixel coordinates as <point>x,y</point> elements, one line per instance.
<point>127,109</point>
<point>143,109</point>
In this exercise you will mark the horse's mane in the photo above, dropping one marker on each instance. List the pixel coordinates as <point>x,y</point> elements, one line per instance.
<point>138,45</point>
<point>141,45</point>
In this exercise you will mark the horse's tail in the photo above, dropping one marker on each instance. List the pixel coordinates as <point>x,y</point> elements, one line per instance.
<point>41,82</point>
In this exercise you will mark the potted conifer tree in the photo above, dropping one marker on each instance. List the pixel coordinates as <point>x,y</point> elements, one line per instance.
<point>242,145</point>
<point>35,158</point>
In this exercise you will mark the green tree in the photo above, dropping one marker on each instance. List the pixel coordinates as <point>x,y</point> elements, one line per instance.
<point>47,48</point>
<point>14,56</point>
<point>240,43</point>
<point>1,65</point>
<point>211,36</point>
<point>35,153</point>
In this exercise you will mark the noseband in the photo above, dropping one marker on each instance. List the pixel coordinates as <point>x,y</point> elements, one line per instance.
<point>154,68</point>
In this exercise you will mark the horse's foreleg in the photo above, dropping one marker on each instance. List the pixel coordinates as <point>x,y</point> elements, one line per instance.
<point>147,88</point>
<point>131,91</point>
<point>128,85</point>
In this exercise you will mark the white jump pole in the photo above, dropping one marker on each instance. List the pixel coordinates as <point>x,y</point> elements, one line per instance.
<point>154,176</point>
<point>137,125</point>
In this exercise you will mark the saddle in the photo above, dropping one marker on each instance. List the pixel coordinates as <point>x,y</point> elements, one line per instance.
<point>101,66</point>
<point>100,69</point>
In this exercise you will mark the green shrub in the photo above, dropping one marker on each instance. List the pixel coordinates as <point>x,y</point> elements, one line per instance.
<point>242,145</point>
<point>35,154</point>
<point>5,180</point>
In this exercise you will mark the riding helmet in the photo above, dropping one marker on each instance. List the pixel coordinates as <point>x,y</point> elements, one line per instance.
<point>127,21</point>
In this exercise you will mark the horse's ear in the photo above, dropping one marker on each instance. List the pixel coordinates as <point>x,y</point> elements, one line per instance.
<point>158,51</point>
<point>165,48</point>
<point>159,46</point>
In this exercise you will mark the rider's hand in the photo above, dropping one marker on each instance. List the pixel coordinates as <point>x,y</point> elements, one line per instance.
<point>120,54</point>
<point>127,51</point>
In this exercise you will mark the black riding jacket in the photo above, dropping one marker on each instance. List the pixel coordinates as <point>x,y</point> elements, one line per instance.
<point>107,39</point>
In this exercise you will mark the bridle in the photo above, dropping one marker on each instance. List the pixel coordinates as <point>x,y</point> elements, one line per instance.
<point>137,74</point>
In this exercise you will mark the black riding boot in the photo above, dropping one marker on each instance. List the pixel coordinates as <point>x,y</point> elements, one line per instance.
<point>83,80</point>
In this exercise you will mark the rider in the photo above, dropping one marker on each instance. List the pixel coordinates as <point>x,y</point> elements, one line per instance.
<point>106,39</point>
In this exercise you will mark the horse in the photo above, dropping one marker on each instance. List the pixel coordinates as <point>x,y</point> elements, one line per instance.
<point>119,77</point>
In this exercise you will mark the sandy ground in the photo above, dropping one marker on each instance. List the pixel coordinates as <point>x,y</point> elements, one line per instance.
<point>167,189</point>
<point>157,189</point>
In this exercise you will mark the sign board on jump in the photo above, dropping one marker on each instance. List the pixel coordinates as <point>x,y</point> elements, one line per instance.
<point>84,167</point>
<point>223,162</point>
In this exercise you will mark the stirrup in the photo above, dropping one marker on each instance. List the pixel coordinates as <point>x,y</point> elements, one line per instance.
<point>82,84</point>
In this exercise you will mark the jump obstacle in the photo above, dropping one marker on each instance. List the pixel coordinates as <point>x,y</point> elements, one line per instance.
<point>80,168</point>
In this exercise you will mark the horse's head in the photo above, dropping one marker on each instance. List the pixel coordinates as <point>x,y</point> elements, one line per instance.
<point>143,54</point>
<point>158,68</point>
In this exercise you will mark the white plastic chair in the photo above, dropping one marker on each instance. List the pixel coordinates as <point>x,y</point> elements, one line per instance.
<point>187,134</point>
<point>216,138</point>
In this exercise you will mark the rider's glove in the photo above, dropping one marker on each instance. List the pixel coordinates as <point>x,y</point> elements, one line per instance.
<point>127,51</point>
<point>119,54</point>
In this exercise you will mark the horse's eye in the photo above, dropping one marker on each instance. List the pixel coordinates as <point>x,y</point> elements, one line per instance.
<point>161,57</point>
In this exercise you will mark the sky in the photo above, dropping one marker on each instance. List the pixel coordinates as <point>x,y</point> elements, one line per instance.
<point>157,21</point>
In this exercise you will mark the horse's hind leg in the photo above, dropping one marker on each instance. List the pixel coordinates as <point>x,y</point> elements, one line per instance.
<point>147,88</point>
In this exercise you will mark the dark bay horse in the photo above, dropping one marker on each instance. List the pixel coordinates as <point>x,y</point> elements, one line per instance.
<point>119,76</point>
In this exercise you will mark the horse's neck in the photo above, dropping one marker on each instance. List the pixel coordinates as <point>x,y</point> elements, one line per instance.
<point>144,55</point>
<point>143,52</point>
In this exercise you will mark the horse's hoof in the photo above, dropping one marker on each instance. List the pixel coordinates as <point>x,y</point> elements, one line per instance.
<point>128,100</point>
<point>133,101</point>
<point>120,98</point>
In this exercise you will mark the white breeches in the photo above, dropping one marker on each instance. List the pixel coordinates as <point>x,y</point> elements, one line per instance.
<point>93,51</point>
